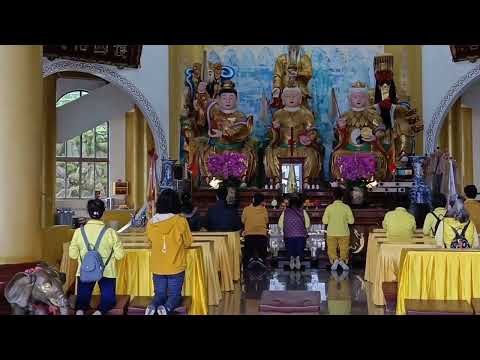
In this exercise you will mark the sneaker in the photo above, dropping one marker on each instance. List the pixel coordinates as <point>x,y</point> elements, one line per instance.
<point>79,312</point>
<point>344,266</point>
<point>335,265</point>
<point>150,310</point>
<point>298,264</point>
<point>292,263</point>
<point>98,312</point>
<point>161,310</point>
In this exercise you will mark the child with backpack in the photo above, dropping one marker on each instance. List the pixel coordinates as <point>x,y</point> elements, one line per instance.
<point>170,236</point>
<point>456,231</point>
<point>96,247</point>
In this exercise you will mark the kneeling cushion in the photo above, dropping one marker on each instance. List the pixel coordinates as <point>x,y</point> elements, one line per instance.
<point>140,303</point>
<point>120,307</point>
<point>292,302</point>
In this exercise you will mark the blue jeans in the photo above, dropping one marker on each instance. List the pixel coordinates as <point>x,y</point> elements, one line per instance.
<point>108,298</point>
<point>168,290</point>
<point>295,246</point>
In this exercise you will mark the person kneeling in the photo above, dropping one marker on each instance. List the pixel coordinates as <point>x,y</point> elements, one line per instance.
<point>294,223</point>
<point>94,239</point>
<point>170,236</point>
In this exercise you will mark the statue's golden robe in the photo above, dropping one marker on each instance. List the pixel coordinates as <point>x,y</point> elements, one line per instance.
<point>361,125</point>
<point>236,138</point>
<point>302,122</point>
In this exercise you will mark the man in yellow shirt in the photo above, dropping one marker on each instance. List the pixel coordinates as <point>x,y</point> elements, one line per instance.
<point>399,223</point>
<point>472,205</point>
<point>110,249</point>
<point>337,217</point>
<point>434,218</point>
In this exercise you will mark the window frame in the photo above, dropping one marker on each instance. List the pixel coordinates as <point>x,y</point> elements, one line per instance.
<point>80,159</point>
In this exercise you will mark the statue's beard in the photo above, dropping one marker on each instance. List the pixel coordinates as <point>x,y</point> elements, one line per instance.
<point>354,108</point>
<point>228,111</point>
<point>292,108</point>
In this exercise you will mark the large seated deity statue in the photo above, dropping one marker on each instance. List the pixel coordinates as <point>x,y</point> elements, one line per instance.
<point>293,66</point>
<point>360,131</point>
<point>293,135</point>
<point>228,130</point>
<point>400,120</point>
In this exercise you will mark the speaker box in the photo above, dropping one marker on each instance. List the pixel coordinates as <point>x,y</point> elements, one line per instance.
<point>178,172</point>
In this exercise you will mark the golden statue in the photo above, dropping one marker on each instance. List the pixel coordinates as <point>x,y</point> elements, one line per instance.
<point>360,130</point>
<point>228,130</point>
<point>293,135</point>
<point>400,120</point>
<point>293,66</point>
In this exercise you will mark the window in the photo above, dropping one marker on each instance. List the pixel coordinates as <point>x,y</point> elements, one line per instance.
<point>82,162</point>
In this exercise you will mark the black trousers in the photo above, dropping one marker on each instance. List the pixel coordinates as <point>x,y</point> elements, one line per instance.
<point>255,247</point>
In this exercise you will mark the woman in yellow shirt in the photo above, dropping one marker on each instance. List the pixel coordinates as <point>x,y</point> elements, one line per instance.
<point>110,248</point>
<point>255,221</point>
<point>170,236</point>
<point>455,224</point>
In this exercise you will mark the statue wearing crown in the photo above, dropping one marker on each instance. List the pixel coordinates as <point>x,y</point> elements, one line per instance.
<point>228,130</point>
<point>293,134</point>
<point>293,66</point>
<point>360,131</point>
<point>400,119</point>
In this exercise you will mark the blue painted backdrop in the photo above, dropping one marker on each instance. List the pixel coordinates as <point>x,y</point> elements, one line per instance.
<point>333,67</point>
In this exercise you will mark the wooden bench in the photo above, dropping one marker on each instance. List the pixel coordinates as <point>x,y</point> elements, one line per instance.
<point>120,307</point>
<point>390,294</point>
<point>290,303</point>
<point>438,307</point>
<point>139,304</point>
<point>476,306</point>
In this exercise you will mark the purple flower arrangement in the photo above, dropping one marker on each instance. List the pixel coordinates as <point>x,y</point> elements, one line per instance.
<point>227,165</point>
<point>357,168</point>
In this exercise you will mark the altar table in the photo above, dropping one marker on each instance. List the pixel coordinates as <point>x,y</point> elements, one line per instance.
<point>379,235</point>
<point>440,274</point>
<point>388,265</point>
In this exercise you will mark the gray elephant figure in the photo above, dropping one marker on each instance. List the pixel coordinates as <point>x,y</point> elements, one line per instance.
<point>37,291</point>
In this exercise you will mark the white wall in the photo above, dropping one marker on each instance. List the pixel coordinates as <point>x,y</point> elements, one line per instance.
<point>100,105</point>
<point>439,73</point>
<point>67,85</point>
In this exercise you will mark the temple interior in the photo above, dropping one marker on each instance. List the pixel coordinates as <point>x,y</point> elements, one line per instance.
<point>381,125</point>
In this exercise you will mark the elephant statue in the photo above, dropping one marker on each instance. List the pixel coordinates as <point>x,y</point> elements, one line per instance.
<point>37,291</point>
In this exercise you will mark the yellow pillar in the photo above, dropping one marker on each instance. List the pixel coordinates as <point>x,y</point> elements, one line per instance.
<point>49,151</point>
<point>467,150</point>
<point>180,57</point>
<point>21,125</point>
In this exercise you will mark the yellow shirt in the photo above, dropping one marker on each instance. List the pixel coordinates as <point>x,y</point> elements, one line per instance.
<point>430,221</point>
<point>445,234</point>
<point>255,219</point>
<point>338,216</point>
<point>305,216</point>
<point>170,236</point>
<point>399,224</point>
<point>473,208</point>
<point>110,241</point>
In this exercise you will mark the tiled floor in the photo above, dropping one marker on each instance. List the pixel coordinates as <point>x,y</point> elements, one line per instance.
<point>341,294</point>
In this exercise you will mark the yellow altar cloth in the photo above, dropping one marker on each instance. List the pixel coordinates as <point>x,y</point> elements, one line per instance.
<point>441,274</point>
<point>233,247</point>
<point>379,235</point>
<point>222,259</point>
<point>388,265</point>
<point>211,273</point>
<point>135,279</point>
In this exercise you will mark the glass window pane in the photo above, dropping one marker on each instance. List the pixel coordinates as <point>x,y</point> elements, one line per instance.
<point>102,141</point>
<point>73,147</point>
<point>101,178</point>
<point>88,180</point>
<point>73,180</point>
<point>61,150</point>
<point>88,144</point>
<point>71,96</point>
<point>60,180</point>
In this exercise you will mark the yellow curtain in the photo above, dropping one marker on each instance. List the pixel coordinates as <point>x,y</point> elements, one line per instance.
<point>139,140</point>
<point>456,137</point>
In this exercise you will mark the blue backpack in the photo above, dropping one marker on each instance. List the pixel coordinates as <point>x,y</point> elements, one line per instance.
<point>92,266</point>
